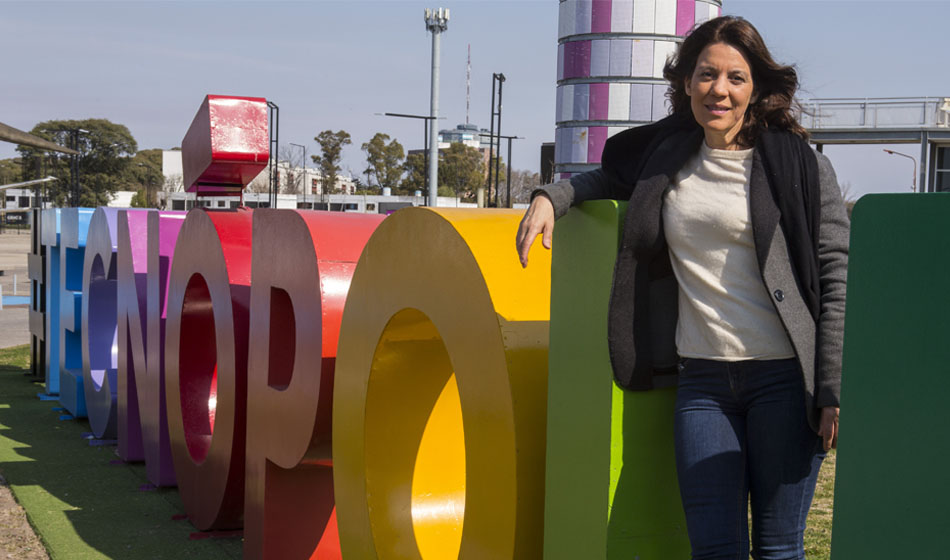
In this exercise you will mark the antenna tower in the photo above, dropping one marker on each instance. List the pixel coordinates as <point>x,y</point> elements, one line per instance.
<point>468,82</point>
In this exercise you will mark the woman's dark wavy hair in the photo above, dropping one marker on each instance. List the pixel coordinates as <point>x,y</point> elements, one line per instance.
<point>773,103</point>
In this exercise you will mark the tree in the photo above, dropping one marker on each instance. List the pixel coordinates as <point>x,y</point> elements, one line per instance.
<point>384,160</point>
<point>522,184</point>
<point>105,152</point>
<point>502,178</point>
<point>331,148</point>
<point>140,199</point>
<point>144,173</point>
<point>10,171</point>
<point>294,160</point>
<point>849,196</point>
<point>261,183</point>
<point>415,170</point>
<point>462,170</point>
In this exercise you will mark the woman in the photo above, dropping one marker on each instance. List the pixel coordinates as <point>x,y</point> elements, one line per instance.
<point>735,249</point>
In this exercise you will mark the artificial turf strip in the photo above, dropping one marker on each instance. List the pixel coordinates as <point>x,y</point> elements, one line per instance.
<point>83,502</point>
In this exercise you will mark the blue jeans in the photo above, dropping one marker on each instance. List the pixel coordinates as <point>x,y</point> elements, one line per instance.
<point>742,436</point>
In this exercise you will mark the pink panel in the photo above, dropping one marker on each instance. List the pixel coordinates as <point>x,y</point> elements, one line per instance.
<point>685,16</point>
<point>596,137</point>
<point>599,102</point>
<point>600,16</point>
<point>577,59</point>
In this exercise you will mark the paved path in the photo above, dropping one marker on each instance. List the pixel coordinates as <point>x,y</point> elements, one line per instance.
<point>14,320</point>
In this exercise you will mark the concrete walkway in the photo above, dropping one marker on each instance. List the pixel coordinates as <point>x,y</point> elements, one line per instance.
<point>14,319</point>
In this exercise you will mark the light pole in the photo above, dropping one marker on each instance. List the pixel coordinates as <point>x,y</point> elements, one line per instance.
<point>437,21</point>
<point>304,148</point>
<point>272,156</point>
<point>500,80</point>
<point>913,187</point>
<point>508,174</point>
<point>425,138</point>
<point>148,185</point>
<point>74,164</point>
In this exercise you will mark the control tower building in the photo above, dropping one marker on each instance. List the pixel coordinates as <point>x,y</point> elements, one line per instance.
<point>610,59</point>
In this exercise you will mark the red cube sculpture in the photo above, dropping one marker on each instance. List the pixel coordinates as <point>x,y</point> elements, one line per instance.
<point>226,145</point>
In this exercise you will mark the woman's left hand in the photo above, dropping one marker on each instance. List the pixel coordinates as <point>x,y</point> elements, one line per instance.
<point>828,431</point>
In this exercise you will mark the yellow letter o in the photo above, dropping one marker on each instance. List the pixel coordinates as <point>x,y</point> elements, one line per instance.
<point>422,469</point>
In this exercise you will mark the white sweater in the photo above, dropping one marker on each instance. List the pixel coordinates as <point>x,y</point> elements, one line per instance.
<point>725,312</point>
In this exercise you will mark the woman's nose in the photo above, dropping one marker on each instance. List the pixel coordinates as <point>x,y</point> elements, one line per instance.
<point>720,87</point>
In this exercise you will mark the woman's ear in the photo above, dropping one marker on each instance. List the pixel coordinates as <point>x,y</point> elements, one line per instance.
<point>686,86</point>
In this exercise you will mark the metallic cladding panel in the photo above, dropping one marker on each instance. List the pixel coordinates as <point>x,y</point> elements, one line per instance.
<point>610,59</point>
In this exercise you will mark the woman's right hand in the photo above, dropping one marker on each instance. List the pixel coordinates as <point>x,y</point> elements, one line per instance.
<point>538,219</point>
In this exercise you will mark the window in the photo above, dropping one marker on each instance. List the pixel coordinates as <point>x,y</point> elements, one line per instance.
<point>370,206</point>
<point>942,169</point>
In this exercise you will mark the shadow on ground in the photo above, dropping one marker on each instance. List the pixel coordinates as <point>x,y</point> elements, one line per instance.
<point>82,501</point>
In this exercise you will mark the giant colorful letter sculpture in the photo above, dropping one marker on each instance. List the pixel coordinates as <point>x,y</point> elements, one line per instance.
<point>146,246</point>
<point>611,488</point>
<point>206,364</point>
<point>891,486</point>
<point>51,233</point>
<point>74,226</point>
<point>302,265</point>
<point>36,263</point>
<point>99,344</point>
<point>439,398</point>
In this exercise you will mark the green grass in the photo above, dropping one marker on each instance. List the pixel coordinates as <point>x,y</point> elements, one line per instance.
<point>81,503</point>
<point>818,529</point>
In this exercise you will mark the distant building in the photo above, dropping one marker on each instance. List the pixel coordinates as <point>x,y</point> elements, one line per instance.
<point>303,180</point>
<point>370,204</point>
<point>468,134</point>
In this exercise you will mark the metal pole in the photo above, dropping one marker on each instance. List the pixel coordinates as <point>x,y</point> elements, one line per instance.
<point>508,179</point>
<point>273,201</point>
<point>491,143</point>
<point>433,124</point>
<point>274,144</point>
<point>437,21</point>
<point>913,187</point>
<point>501,84</point>
<point>425,150</point>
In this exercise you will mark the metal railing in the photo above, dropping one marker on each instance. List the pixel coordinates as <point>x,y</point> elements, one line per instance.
<point>880,112</point>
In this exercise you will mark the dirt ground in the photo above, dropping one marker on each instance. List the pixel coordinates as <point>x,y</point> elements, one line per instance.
<point>17,539</point>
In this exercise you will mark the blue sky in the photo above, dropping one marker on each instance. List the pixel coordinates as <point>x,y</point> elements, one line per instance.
<point>334,64</point>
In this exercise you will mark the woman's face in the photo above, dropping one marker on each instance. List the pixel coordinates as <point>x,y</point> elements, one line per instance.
<point>719,91</point>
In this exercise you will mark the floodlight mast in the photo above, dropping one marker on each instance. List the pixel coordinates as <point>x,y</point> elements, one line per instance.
<point>437,21</point>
